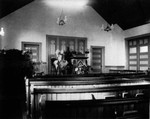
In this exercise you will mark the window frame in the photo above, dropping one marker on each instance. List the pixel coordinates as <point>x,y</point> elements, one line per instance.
<point>140,42</point>
<point>39,44</point>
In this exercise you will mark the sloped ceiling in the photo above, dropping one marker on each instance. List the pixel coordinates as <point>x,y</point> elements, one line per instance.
<point>9,6</point>
<point>126,13</point>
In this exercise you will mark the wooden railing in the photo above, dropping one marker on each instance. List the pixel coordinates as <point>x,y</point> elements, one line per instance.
<point>125,71</point>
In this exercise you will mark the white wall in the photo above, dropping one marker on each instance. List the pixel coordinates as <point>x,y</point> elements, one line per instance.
<point>140,30</point>
<point>32,22</point>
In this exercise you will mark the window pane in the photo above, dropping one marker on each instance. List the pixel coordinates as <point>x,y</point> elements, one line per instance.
<point>96,61</point>
<point>34,54</point>
<point>34,49</point>
<point>141,42</point>
<point>52,46</point>
<point>130,43</point>
<point>96,50</point>
<point>134,42</point>
<point>145,41</point>
<point>34,60</point>
<point>81,47</point>
<point>144,56</point>
<point>132,50</point>
<point>133,57</point>
<point>143,68</point>
<point>63,45</point>
<point>143,49</point>
<point>143,62</point>
<point>133,68</point>
<point>71,45</point>
<point>133,62</point>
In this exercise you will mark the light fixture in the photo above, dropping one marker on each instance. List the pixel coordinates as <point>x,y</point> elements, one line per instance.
<point>62,19</point>
<point>108,15</point>
<point>107,28</point>
<point>2,31</point>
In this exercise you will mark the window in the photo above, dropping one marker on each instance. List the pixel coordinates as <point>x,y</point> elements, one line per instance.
<point>77,44</point>
<point>138,53</point>
<point>53,43</point>
<point>34,48</point>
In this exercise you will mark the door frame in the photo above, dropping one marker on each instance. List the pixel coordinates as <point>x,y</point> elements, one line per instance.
<point>103,56</point>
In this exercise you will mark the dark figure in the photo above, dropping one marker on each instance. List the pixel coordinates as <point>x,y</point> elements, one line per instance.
<point>14,66</point>
<point>68,56</point>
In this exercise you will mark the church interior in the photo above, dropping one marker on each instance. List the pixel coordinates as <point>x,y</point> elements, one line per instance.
<point>74,59</point>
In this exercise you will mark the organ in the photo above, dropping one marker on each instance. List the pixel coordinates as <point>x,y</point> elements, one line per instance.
<point>89,96</point>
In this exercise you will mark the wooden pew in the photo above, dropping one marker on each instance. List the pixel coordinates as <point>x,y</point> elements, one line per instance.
<point>100,93</point>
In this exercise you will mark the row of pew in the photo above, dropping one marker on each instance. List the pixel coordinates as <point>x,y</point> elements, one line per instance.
<point>92,96</point>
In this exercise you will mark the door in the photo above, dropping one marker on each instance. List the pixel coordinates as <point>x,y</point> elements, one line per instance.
<point>97,59</point>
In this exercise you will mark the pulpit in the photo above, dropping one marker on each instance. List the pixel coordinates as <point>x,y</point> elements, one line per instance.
<point>80,64</point>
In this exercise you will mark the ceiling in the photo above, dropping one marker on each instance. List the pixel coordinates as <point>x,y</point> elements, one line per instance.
<point>8,6</point>
<point>126,13</point>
